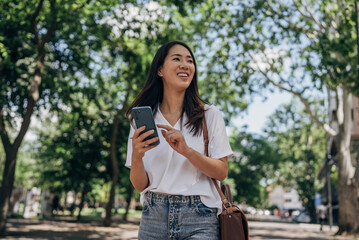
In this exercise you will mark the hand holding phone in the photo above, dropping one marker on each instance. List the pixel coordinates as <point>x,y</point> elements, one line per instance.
<point>143,117</point>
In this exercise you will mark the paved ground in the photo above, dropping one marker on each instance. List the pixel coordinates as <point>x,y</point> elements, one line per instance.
<point>26,229</point>
<point>68,229</point>
<point>293,231</point>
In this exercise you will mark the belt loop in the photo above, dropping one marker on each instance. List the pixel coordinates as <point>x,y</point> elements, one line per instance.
<point>192,200</point>
<point>150,196</point>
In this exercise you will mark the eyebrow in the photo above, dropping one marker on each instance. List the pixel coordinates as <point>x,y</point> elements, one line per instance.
<point>179,55</point>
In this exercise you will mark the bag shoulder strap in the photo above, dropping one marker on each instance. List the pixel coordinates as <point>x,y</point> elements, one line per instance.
<point>225,202</point>
<point>227,192</point>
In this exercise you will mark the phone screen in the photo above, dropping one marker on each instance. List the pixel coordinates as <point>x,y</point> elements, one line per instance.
<point>143,117</point>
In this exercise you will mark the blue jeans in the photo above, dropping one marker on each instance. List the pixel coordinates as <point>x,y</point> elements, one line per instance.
<point>177,217</point>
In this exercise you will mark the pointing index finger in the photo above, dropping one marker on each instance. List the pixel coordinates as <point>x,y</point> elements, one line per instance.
<point>164,126</point>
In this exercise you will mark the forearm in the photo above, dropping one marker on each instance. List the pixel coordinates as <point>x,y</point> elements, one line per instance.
<point>138,175</point>
<point>214,168</point>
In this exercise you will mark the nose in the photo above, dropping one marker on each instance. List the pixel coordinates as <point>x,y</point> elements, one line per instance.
<point>184,65</point>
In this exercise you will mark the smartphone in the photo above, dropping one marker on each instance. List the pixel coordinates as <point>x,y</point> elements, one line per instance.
<point>143,117</point>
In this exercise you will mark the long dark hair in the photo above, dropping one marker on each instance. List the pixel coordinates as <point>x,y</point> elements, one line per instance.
<point>152,92</point>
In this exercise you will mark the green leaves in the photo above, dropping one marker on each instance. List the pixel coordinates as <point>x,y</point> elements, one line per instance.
<point>302,146</point>
<point>253,165</point>
<point>94,62</point>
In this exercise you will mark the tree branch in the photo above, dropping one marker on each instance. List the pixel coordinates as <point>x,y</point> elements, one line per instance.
<point>340,112</point>
<point>25,123</point>
<point>83,4</point>
<point>294,26</point>
<point>325,126</point>
<point>35,83</point>
<point>116,122</point>
<point>125,104</point>
<point>35,31</point>
<point>3,133</point>
<point>310,17</point>
<point>53,25</point>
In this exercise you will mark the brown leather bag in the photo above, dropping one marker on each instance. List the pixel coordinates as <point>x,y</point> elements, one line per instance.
<point>233,222</point>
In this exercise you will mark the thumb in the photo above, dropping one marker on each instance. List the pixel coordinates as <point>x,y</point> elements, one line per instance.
<point>163,133</point>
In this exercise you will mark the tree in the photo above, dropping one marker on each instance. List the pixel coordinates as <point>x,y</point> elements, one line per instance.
<point>73,155</point>
<point>254,163</point>
<point>300,47</point>
<point>42,45</point>
<point>29,44</point>
<point>302,146</point>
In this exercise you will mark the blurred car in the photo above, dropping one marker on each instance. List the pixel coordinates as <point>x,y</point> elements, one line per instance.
<point>302,218</point>
<point>250,210</point>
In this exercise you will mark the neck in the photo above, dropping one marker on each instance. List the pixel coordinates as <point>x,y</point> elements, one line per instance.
<point>172,103</point>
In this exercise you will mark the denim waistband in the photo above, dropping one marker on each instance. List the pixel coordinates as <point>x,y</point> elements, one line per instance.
<point>168,198</point>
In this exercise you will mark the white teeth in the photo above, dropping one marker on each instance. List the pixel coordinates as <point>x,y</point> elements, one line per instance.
<point>183,75</point>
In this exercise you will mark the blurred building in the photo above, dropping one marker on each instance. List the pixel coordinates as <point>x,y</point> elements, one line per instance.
<point>286,199</point>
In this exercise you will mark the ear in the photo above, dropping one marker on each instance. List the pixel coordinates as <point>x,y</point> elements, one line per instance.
<point>159,72</point>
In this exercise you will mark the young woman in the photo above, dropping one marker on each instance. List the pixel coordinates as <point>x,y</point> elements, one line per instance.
<point>178,196</point>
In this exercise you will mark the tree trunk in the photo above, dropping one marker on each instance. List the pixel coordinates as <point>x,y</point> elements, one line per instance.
<point>348,196</point>
<point>83,196</point>
<point>108,218</point>
<point>115,172</point>
<point>128,200</point>
<point>11,151</point>
<point>6,187</point>
<point>113,152</point>
<point>347,186</point>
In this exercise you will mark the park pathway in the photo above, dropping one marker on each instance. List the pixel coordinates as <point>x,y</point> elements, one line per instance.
<point>69,229</point>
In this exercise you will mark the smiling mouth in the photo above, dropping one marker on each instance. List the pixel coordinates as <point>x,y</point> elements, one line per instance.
<point>183,74</point>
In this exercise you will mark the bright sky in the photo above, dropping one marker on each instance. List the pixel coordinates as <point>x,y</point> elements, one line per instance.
<point>258,111</point>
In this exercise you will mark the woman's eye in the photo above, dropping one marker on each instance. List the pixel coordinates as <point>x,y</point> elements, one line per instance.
<point>177,59</point>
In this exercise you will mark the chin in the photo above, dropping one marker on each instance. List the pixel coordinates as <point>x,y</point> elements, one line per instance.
<point>183,87</point>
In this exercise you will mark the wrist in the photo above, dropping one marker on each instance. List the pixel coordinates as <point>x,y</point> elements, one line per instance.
<point>137,161</point>
<point>189,152</point>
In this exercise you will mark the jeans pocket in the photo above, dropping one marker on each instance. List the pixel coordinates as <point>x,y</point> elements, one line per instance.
<point>203,210</point>
<point>146,206</point>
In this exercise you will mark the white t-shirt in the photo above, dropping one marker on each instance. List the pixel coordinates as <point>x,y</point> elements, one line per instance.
<point>171,173</point>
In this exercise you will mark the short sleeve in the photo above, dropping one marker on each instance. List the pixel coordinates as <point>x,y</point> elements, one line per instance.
<point>129,147</point>
<point>218,146</point>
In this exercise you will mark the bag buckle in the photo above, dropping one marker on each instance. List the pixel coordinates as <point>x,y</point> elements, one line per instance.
<point>225,202</point>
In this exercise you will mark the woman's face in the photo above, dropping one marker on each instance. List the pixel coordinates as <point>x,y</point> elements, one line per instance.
<point>178,69</point>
